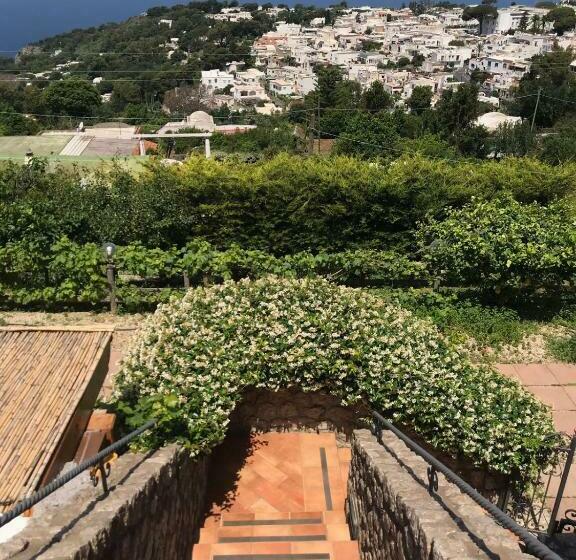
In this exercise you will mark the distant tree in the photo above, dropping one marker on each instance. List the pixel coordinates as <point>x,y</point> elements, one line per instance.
<point>456,43</point>
<point>457,109</point>
<point>479,76</point>
<point>512,140</point>
<point>563,19</point>
<point>545,4</point>
<point>559,148</point>
<point>550,74</point>
<point>403,61</point>
<point>481,13</point>
<point>420,99</point>
<point>73,96</point>
<point>376,98</point>
<point>523,23</point>
<point>417,60</point>
<point>124,93</point>
<point>535,23</point>
<point>13,123</point>
<point>369,136</point>
<point>473,141</point>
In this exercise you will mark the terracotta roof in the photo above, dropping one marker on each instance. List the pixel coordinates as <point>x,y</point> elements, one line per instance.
<point>44,373</point>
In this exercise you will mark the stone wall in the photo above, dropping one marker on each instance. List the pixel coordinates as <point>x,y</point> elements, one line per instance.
<point>153,510</point>
<point>395,518</point>
<point>293,409</point>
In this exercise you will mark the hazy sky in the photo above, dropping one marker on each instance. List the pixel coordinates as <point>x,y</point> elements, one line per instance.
<point>25,21</point>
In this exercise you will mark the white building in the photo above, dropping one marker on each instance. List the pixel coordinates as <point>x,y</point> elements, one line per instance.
<point>282,87</point>
<point>216,79</point>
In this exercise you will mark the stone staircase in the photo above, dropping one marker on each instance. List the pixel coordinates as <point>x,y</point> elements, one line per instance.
<point>287,503</point>
<point>285,536</point>
<point>76,146</point>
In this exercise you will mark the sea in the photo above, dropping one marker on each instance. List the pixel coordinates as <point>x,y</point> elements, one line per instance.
<point>25,21</point>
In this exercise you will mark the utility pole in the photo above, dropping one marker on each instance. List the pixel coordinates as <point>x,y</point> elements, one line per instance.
<point>318,125</point>
<point>535,109</point>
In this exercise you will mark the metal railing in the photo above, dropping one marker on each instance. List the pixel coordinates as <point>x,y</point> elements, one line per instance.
<point>536,504</point>
<point>533,545</point>
<point>102,470</point>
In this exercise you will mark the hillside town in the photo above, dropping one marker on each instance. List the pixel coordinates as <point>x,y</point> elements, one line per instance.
<point>436,49</point>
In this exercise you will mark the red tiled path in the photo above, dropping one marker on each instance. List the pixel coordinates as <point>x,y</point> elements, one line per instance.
<point>555,385</point>
<point>277,494</point>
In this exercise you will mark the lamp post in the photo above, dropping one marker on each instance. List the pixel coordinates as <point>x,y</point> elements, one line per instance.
<point>110,251</point>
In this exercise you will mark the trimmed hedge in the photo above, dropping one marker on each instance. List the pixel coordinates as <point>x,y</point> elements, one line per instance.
<point>191,360</point>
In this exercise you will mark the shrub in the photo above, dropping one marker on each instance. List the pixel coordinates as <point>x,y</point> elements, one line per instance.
<point>192,359</point>
<point>457,315</point>
<point>502,244</point>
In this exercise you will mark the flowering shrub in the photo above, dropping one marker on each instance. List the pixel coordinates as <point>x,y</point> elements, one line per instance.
<point>194,356</point>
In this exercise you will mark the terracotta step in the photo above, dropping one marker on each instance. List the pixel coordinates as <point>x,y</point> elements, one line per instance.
<point>281,518</point>
<point>275,533</point>
<point>315,550</point>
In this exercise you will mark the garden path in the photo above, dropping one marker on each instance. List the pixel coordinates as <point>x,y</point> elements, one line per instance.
<point>555,385</point>
<point>277,495</point>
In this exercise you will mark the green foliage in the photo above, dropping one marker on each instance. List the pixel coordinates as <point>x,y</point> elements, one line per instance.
<point>313,335</point>
<point>551,74</point>
<point>420,99</point>
<point>368,136</point>
<point>560,147</point>
<point>563,348</point>
<point>375,98</point>
<point>283,205</point>
<point>502,244</point>
<point>457,109</point>
<point>460,314</point>
<point>72,96</point>
<point>563,19</point>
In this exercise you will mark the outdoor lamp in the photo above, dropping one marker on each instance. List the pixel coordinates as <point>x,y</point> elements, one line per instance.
<point>109,249</point>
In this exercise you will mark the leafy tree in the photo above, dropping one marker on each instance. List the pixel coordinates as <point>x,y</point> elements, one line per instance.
<point>368,136</point>
<point>481,13</point>
<point>417,60</point>
<point>457,109</point>
<point>523,23</point>
<point>473,141</point>
<point>13,123</point>
<point>403,61</point>
<point>563,19</point>
<point>429,145</point>
<point>502,244</point>
<point>124,93</point>
<point>512,140</point>
<point>71,97</point>
<point>376,98</point>
<point>420,99</point>
<point>558,148</point>
<point>551,74</point>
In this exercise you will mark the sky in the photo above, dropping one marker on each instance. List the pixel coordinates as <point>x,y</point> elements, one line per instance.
<point>26,21</point>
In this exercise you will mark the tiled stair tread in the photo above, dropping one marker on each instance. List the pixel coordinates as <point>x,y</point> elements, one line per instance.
<point>270,538</point>
<point>252,522</point>
<point>331,550</point>
<point>273,557</point>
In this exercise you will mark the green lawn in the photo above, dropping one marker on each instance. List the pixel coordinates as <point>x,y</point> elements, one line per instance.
<point>17,146</point>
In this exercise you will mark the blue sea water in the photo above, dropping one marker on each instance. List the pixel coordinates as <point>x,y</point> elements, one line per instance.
<point>25,21</point>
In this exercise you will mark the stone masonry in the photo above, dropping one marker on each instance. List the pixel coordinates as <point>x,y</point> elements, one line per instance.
<point>154,510</point>
<point>295,410</point>
<point>394,517</point>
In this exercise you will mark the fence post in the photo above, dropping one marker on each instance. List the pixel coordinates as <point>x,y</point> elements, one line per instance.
<point>111,276</point>
<point>571,450</point>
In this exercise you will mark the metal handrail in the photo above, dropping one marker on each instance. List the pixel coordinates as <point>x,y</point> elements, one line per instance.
<point>57,483</point>
<point>533,545</point>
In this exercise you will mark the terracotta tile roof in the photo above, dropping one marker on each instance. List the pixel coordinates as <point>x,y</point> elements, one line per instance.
<point>44,373</point>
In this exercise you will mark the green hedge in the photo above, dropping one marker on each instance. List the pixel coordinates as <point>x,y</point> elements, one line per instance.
<point>191,360</point>
<point>284,205</point>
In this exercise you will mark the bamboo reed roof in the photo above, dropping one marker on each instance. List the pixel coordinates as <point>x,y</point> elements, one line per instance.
<point>44,373</point>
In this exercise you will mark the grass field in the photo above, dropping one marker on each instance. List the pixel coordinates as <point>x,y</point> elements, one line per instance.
<point>17,146</point>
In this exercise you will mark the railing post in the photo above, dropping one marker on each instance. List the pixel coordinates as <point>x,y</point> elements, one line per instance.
<point>553,523</point>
